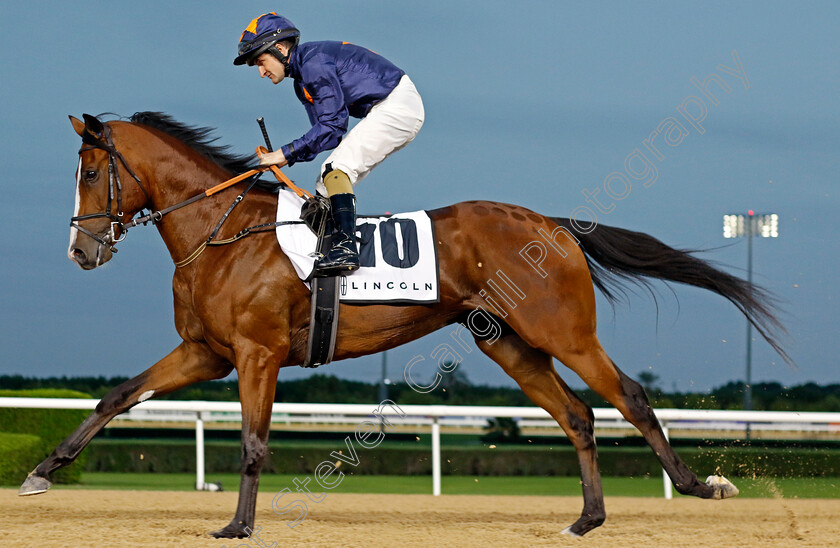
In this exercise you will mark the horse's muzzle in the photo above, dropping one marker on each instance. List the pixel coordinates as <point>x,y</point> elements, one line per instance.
<point>79,256</point>
<point>89,253</point>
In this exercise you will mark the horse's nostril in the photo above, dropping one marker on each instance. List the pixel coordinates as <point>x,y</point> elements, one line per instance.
<point>79,255</point>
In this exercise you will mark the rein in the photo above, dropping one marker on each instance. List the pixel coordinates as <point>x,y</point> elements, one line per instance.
<point>115,194</point>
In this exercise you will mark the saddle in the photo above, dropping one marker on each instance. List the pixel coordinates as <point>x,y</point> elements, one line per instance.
<point>398,263</point>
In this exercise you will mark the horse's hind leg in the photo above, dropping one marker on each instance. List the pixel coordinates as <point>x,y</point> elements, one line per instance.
<point>187,364</point>
<point>588,359</point>
<point>533,371</point>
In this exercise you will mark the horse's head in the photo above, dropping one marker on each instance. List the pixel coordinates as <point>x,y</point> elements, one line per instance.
<point>103,202</point>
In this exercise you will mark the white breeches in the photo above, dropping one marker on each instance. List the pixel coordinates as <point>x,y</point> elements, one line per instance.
<point>389,126</point>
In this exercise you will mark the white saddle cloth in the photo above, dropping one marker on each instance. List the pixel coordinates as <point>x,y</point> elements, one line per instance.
<point>398,255</point>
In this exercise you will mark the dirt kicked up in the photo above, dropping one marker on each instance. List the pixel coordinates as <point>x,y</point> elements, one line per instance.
<point>139,518</point>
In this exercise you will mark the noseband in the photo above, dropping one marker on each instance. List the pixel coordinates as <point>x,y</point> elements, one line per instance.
<point>114,191</point>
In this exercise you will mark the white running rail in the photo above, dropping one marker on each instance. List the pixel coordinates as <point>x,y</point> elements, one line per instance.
<point>436,415</point>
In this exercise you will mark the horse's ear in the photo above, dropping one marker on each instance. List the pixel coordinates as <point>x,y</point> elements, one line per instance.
<point>78,125</point>
<point>94,126</point>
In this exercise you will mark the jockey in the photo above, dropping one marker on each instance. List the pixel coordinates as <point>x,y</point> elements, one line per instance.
<point>335,80</point>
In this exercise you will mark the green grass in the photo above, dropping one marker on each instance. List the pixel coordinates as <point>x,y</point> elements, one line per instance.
<point>462,485</point>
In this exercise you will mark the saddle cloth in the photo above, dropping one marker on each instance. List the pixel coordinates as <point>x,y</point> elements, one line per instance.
<point>397,252</point>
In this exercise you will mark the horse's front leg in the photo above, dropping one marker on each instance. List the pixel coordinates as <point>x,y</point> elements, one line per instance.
<point>187,364</point>
<point>257,384</point>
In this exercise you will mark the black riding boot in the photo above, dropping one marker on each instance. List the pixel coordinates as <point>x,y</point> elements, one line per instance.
<point>343,255</point>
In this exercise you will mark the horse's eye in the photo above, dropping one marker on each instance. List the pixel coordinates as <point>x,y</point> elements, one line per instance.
<point>90,175</point>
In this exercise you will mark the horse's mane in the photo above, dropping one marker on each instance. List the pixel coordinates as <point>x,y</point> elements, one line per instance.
<point>199,139</point>
<point>202,141</point>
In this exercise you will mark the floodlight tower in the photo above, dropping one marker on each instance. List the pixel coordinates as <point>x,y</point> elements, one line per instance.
<point>736,225</point>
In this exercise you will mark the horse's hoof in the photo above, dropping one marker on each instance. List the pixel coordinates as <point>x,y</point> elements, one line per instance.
<point>34,485</point>
<point>232,531</point>
<point>568,531</point>
<point>724,489</point>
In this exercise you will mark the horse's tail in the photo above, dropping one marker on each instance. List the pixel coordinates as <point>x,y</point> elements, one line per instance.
<point>616,255</point>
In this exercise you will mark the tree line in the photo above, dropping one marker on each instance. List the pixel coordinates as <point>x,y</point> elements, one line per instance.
<point>457,390</point>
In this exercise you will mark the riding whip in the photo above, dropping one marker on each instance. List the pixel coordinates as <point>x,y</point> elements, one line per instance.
<point>261,122</point>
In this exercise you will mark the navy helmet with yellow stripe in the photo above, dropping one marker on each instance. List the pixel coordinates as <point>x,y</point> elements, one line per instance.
<point>261,34</point>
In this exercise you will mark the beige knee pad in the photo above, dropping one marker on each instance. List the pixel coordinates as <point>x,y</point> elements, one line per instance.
<point>337,182</point>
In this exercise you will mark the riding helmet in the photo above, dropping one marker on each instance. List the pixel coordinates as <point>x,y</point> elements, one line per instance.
<point>261,34</point>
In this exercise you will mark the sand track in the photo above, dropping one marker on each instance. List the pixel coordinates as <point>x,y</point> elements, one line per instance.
<point>80,518</point>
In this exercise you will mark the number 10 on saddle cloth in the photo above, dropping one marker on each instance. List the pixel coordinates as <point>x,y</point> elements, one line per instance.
<point>397,252</point>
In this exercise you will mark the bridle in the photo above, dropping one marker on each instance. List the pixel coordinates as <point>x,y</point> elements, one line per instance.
<point>115,194</point>
<point>114,191</point>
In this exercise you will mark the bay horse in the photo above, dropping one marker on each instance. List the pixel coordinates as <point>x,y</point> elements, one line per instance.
<point>243,307</point>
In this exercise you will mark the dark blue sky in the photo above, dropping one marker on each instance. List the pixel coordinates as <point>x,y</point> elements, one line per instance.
<point>533,103</point>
